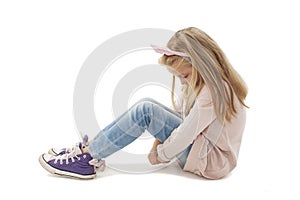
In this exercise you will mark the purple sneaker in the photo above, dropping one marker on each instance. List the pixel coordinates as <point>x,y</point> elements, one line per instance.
<point>56,151</point>
<point>73,164</point>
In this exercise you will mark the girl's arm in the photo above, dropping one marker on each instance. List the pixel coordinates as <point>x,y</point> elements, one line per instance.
<point>152,156</point>
<point>201,115</point>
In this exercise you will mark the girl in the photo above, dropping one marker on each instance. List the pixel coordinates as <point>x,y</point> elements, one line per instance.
<point>204,132</point>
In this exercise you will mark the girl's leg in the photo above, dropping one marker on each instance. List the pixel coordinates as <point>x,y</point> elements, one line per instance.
<point>147,114</point>
<point>141,101</point>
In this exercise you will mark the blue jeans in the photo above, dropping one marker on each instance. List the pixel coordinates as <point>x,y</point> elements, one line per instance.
<point>146,114</point>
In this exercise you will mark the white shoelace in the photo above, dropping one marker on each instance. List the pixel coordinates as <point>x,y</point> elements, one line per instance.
<point>72,154</point>
<point>83,143</point>
<point>70,149</point>
<point>98,163</point>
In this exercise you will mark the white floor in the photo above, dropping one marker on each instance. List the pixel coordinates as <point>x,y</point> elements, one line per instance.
<point>252,179</point>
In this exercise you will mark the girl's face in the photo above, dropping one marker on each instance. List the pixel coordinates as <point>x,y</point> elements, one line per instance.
<point>183,73</point>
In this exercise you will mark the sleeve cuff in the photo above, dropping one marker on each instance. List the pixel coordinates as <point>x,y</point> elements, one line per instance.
<point>161,153</point>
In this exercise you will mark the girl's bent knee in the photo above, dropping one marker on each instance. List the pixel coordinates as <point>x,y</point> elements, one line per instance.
<point>146,99</point>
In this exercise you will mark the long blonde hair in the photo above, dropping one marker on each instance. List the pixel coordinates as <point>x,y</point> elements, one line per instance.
<point>210,67</point>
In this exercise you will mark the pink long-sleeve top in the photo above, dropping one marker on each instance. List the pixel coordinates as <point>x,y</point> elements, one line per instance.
<point>215,146</point>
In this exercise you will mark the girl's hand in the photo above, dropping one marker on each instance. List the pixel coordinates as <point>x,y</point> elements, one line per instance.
<point>153,157</point>
<point>161,161</point>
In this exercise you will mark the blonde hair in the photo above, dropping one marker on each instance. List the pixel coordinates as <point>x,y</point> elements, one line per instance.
<point>210,67</point>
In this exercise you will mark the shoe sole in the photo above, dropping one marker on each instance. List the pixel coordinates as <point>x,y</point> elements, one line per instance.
<point>53,170</point>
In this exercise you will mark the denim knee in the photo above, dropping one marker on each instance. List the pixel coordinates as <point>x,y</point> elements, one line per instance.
<point>141,113</point>
<point>145,100</point>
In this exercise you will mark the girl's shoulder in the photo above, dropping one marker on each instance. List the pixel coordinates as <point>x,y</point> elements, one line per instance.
<point>204,98</point>
<point>204,94</point>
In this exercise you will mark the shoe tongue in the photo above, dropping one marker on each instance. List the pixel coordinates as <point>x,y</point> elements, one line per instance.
<point>80,145</point>
<point>85,140</point>
<point>77,149</point>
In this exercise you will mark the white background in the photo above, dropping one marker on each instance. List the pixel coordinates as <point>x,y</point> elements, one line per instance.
<point>44,43</point>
